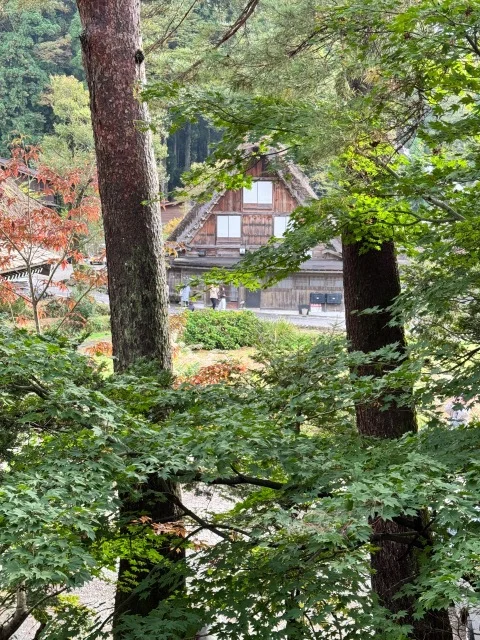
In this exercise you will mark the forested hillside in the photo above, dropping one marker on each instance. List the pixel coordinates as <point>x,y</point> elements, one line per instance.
<point>36,42</point>
<point>41,40</point>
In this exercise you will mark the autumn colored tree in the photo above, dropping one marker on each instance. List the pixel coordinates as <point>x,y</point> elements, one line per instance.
<point>38,238</point>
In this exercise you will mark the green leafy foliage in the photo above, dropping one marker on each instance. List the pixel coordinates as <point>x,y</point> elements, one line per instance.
<point>383,96</point>
<point>36,41</point>
<point>222,330</point>
<point>70,145</point>
<point>292,545</point>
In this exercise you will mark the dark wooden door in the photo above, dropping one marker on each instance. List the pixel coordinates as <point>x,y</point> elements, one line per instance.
<point>252,299</point>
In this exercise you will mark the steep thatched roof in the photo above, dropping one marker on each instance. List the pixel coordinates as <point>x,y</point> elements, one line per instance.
<point>295,181</point>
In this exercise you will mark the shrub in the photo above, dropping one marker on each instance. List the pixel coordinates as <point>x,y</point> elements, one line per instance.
<point>98,323</point>
<point>214,374</point>
<point>19,307</point>
<point>282,335</point>
<point>85,309</point>
<point>177,322</point>
<point>99,348</point>
<point>222,329</point>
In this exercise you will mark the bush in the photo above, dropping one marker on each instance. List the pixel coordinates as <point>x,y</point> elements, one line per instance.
<point>222,329</point>
<point>282,335</point>
<point>19,307</point>
<point>98,323</point>
<point>85,309</point>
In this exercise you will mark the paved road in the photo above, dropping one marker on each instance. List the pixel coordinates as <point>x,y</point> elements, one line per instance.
<point>335,321</point>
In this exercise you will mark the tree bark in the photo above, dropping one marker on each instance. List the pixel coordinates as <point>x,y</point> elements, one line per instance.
<point>153,502</point>
<point>128,186</point>
<point>371,279</point>
<point>33,297</point>
<point>13,624</point>
<point>128,181</point>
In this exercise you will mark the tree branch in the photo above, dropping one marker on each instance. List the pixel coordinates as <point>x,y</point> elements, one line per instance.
<point>169,33</point>
<point>201,521</point>
<point>237,480</point>
<point>440,204</point>
<point>238,24</point>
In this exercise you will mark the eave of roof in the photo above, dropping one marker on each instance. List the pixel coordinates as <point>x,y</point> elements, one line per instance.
<point>208,262</point>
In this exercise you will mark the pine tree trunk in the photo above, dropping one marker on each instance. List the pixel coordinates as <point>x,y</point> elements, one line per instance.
<point>371,279</point>
<point>128,181</point>
<point>188,147</point>
<point>128,186</point>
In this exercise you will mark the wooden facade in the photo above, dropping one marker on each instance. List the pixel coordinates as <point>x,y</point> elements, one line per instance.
<point>220,232</point>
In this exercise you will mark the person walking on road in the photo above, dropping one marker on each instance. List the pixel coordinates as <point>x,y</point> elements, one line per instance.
<point>222,305</point>
<point>213,293</point>
<point>185,295</point>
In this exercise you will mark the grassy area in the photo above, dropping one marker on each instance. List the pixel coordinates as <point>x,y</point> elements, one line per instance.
<point>188,361</point>
<point>99,336</point>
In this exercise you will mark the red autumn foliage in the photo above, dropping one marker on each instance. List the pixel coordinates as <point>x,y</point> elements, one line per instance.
<point>100,348</point>
<point>214,374</point>
<point>159,528</point>
<point>42,217</point>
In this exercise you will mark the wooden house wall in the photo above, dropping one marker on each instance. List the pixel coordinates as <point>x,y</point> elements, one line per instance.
<point>257,221</point>
<point>207,233</point>
<point>283,201</point>
<point>296,290</point>
<point>257,228</point>
<point>287,294</point>
<point>232,201</point>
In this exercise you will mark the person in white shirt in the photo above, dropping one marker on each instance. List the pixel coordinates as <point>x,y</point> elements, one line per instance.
<point>222,305</point>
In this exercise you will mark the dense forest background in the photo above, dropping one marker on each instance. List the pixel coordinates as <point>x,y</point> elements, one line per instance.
<point>40,49</point>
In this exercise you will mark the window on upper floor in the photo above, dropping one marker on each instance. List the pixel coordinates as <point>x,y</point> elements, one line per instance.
<point>280,224</point>
<point>229,226</point>
<point>261,193</point>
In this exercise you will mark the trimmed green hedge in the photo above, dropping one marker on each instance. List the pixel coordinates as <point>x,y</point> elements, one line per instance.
<point>222,329</point>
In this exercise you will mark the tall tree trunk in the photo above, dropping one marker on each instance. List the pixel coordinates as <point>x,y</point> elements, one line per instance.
<point>33,298</point>
<point>128,181</point>
<point>188,147</point>
<point>371,279</point>
<point>128,186</point>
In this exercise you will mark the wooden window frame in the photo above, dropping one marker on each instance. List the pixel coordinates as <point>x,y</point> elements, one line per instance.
<point>259,206</point>
<point>228,239</point>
